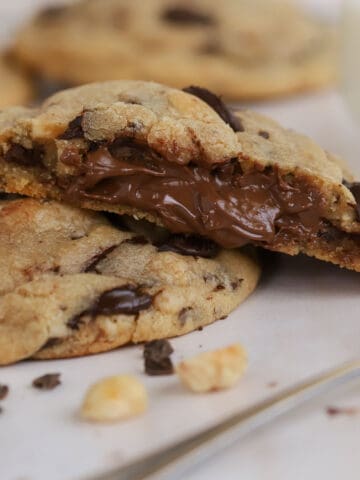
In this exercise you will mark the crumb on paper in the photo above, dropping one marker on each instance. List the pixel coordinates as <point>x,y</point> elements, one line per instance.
<point>333,411</point>
<point>272,384</point>
<point>157,359</point>
<point>4,391</point>
<point>47,382</point>
<point>114,398</point>
<point>215,370</point>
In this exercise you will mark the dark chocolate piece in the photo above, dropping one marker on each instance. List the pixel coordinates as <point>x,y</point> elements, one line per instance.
<point>264,134</point>
<point>355,190</point>
<point>23,156</point>
<point>157,357</point>
<point>127,300</point>
<point>47,382</point>
<point>74,130</point>
<point>4,390</point>
<point>181,15</point>
<point>97,258</point>
<point>216,104</point>
<point>190,245</point>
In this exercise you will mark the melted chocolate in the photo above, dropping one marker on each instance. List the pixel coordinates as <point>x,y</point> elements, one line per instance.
<point>222,203</point>
<point>216,104</point>
<point>126,300</point>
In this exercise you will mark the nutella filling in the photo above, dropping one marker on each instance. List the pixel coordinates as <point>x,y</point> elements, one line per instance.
<point>220,202</point>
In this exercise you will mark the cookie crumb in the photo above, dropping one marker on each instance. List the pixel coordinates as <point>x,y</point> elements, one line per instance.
<point>216,370</point>
<point>114,398</point>
<point>4,391</point>
<point>47,382</point>
<point>157,359</point>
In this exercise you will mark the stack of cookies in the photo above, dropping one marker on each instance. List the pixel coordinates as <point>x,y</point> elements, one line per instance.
<point>188,186</point>
<point>131,209</point>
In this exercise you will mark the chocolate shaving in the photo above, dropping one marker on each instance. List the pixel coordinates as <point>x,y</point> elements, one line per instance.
<point>182,15</point>
<point>74,130</point>
<point>216,104</point>
<point>4,390</point>
<point>97,258</point>
<point>157,358</point>
<point>47,382</point>
<point>189,245</point>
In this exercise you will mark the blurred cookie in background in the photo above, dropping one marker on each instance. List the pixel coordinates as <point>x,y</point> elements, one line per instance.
<point>242,49</point>
<point>15,87</point>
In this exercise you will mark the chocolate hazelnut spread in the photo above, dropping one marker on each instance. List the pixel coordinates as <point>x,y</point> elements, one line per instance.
<point>220,202</point>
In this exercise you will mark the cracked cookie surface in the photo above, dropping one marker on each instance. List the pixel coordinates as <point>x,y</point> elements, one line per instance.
<point>73,284</point>
<point>238,48</point>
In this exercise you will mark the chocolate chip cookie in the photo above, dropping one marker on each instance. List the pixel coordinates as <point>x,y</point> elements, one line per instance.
<point>242,49</point>
<point>73,284</point>
<point>186,163</point>
<point>15,87</point>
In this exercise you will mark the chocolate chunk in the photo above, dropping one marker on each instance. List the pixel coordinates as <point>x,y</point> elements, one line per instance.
<point>355,190</point>
<point>97,258</point>
<point>189,245</point>
<point>236,284</point>
<point>184,315</point>
<point>157,358</point>
<point>47,382</point>
<point>4,390</point>
<point>182,15</point>
<point>216,104</point>
<point>52,342</point>
<point>219,287</point>
<point>23,156</point>
<point>264,134</point>
<point>74,130</point>
<point>127,300</point>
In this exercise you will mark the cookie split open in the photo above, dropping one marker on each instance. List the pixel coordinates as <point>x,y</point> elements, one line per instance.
<point>153,152</point>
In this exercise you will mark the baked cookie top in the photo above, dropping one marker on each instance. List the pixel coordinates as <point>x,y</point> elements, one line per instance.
<point>183,160</point>
<point>239,48</point>
<point>74,284</point>
<point>15,87</point>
